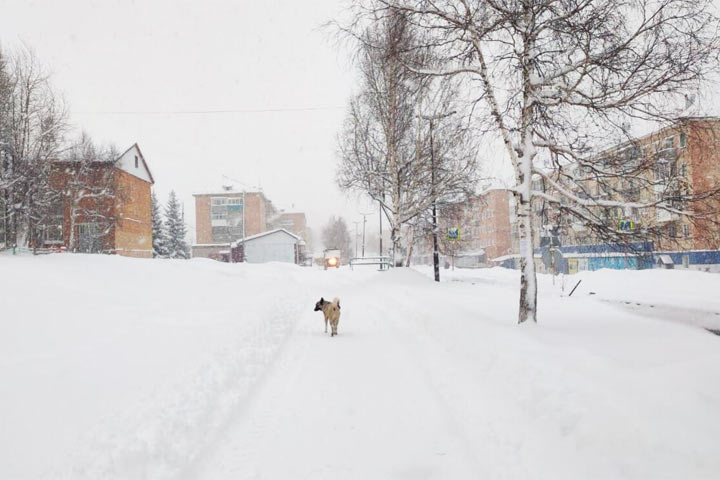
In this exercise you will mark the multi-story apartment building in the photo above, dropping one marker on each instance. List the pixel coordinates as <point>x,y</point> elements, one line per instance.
<point>227,215</point>
<point>675,169</point>
<point>485,227</point>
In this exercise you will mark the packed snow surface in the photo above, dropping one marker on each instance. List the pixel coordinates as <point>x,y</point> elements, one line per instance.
<point>116,368</point>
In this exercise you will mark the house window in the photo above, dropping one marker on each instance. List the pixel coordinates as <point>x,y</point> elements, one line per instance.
<point>685,230</point>
<point>52,230</point>
<point>683,140</point>
<point>669,142</point>
<point>672,231</point>
<point>683,169</point>
<point>136,161</point>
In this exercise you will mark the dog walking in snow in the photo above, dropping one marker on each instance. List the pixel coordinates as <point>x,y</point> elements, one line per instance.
<point>331,311</point>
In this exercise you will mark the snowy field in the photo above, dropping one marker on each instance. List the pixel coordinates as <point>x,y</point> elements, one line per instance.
<point>116,368</point>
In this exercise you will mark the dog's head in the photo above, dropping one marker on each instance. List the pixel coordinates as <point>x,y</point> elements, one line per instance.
<point>319,304</point>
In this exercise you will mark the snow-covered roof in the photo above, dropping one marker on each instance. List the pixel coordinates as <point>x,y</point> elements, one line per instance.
<point>598,255</point>
<point>505,257</point>
<point>226,193</point>
<point>475,253</point>
<point>665,259</point>
<point>125,162</point>
<point>269,232</point>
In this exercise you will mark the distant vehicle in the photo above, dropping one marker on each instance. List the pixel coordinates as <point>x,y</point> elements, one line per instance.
<point>332,258</point>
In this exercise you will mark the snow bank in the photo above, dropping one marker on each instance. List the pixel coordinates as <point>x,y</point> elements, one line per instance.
<point>124,368</point>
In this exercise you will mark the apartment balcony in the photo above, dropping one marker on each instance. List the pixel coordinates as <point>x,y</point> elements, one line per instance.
<point>662,216</point>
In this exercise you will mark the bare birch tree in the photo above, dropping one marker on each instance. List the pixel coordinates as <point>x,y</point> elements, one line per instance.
<point>557,79</point>
<point>386,146</point>
<point>33,124</point>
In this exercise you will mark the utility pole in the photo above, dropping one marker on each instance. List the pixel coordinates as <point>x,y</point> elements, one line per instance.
<point>364,215</point>
<point>356,237</point>
<point>436,253</point>
<point>381,250</point>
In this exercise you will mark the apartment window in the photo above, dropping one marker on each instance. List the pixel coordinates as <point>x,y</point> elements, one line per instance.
<point>685,230</point>
<point>220,235</point>
<point>669,142</point>
<point>672,231</point>
<point>216,201</point>
<point>683,169</point>
<point>683,140</point>
<point>218,216</point>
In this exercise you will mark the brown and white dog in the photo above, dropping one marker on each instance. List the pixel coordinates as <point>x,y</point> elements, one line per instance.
<point>331,311</point>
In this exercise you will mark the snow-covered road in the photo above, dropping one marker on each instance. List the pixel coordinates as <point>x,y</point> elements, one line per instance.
<point>124,369</point>
<point>359,405</point>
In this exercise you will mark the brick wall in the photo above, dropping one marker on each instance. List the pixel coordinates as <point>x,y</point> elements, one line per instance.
<point>203,228</point>
<point>494,224</point>
<point>704,144</point>
<point>133,231</point>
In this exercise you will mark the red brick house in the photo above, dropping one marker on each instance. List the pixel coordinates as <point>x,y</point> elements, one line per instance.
<point>103,207</point>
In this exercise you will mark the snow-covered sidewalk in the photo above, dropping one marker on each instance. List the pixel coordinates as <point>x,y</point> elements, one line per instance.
<point>124,369</point>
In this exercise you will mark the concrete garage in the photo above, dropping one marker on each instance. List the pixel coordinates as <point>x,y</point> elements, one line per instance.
<point>273,246</point>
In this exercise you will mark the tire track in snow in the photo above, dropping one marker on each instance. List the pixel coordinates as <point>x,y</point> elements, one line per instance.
<point>160,436</point>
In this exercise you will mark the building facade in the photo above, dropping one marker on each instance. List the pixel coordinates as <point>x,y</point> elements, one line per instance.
<point>666,167</point>
<point>228,215</point>
<point>476,233</point>
<point>277,245</point>
<point>104,207</point>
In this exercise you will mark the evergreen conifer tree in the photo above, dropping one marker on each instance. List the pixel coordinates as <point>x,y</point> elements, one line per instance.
<point>158,230</point>
<point>175,229</point>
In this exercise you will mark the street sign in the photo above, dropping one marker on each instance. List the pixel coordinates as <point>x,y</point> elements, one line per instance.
<point>453,234</point>
<point>626,225</point>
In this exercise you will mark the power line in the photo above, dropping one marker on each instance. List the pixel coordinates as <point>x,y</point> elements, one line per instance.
<point>207,112</point>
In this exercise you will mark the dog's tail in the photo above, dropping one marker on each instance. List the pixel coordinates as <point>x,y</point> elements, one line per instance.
<point>336,302</point>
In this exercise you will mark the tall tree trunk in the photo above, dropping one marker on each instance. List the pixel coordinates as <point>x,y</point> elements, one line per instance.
<point>528,277</point>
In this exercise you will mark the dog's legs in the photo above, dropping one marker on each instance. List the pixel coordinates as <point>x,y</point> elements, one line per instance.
<point>326,322</point>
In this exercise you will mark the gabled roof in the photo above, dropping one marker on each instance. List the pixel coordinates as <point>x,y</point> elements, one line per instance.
<point>142,157</point>
<point>269,232</point>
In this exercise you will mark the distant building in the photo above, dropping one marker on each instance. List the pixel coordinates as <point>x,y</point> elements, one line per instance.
<point>482,231</point>
<point>294,222</point>
<point>225,216</point>
<point>273,246</point>
<point>118,221</point>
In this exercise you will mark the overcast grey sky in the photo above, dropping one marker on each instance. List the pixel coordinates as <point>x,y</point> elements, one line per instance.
<point>110,58</point>
<point>180,56</point>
